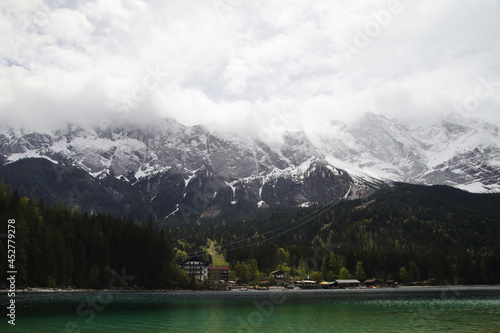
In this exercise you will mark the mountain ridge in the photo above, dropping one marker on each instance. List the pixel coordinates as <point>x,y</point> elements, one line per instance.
<point>177,168</point>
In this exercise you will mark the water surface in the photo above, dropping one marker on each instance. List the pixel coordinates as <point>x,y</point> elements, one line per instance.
<point>379,310</point>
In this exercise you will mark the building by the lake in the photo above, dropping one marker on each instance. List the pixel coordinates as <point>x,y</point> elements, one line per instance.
<point>218,273</point>
<point>307,284</point>
<point>278,275</point>
<point>196,267</point>
<point>203,271</point>
<point>350,283</point>
<point>372,283</point>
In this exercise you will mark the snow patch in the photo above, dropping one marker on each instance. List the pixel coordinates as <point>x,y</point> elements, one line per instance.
<point>233,188</point>
<point>475,187</point>
<point>173,213</point>
<point>187,181</point>
<point>29,154</point>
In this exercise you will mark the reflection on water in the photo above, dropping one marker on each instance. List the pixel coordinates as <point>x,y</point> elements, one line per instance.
<point>387,310</point>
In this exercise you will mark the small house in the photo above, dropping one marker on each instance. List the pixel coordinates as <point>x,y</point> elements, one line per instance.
<point>306,284</point>
<point>351,283</point>
<point>372,283</point>
<point>391,283</point>
<point>218,273</point>
<point>278,275</point>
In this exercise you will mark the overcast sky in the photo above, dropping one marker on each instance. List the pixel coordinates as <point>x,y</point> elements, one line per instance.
<point>248,64</point>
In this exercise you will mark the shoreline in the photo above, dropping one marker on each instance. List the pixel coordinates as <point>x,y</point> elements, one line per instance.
<point>78,290</point>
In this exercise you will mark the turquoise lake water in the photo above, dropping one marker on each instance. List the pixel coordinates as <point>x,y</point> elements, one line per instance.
<point>377,310</point>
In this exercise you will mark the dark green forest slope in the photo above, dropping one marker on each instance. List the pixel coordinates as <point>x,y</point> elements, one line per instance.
<point>55,246</point>
<point>407,232</point>
<point>40,178</point>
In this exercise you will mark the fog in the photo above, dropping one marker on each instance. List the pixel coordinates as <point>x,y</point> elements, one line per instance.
<point>240,65</point>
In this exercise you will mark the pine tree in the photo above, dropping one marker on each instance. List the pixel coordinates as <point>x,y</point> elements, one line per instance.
<point>343,273</point>
<point>360,273</point>
<point>413,271</point>
<point>403,274</point>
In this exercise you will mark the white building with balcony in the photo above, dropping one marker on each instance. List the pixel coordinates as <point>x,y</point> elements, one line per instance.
<point>196,267</point>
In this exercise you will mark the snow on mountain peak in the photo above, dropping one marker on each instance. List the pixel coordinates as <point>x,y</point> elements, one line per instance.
<point>455,151</point>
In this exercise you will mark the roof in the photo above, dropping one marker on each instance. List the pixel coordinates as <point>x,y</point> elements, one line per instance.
<point>195,259</point>
<point>347,281</point>
<point>371,281</point>
<point>218,268</point>
<point>276,272</point>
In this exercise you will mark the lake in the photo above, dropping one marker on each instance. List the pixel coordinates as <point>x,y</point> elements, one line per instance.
<point>453,309</point>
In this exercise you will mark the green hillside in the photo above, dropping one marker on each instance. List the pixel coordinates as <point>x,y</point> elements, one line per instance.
<point>442,233</point>
<point>409,233</point>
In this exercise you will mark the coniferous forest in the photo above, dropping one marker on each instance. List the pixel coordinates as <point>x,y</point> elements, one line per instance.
<point>407,232</point>
<point>410,233</point>
<point>56,246</point>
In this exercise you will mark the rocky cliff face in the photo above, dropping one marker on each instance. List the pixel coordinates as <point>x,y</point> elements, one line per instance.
<point>178,169</point>
<point>455,151</point>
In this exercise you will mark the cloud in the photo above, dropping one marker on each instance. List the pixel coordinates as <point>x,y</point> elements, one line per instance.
<point>240,64</point>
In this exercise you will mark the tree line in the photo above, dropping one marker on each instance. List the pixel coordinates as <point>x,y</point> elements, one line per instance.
<point>408,233</point>
<point>56,246</point>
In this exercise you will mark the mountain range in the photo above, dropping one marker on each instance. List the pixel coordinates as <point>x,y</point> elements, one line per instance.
<point>168,169</point>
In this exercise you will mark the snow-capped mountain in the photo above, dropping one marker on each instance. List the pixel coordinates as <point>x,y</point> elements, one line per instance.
<point>182,169</point>
<point>455,151</point>
<point>187,169</point>
<point>462,153</point>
